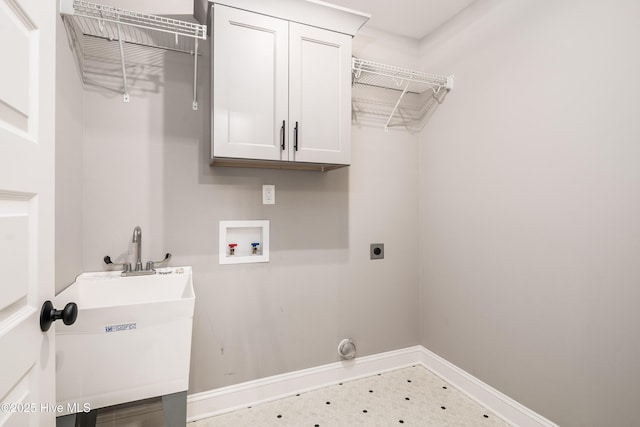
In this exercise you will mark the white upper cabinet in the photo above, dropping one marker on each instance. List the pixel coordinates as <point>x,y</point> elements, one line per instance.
<point>281,92</point>
<point>250,84</point>
<point>319,95</point>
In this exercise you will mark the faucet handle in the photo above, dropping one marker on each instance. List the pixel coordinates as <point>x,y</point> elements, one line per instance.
<point>152,264</point>
<point>126,266</point>
<point>167,258</point>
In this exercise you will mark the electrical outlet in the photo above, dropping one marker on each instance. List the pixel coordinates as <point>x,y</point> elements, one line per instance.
<point>376,251</point>
<point>268,194</point>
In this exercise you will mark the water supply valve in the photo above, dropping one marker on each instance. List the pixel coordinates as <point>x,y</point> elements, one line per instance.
<point>254,248</point>
<point>232,248</point>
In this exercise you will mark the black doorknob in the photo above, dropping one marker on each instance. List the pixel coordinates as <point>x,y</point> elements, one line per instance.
<point>48,315</point>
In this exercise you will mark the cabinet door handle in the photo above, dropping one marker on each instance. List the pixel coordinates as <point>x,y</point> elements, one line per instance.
<point>282,136</point>
<point>295,137</point>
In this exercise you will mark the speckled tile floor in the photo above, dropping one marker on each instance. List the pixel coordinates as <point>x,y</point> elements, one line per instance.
<point>411,396</point>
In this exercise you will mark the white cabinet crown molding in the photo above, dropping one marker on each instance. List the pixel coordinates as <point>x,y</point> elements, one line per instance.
<point>309,12</point>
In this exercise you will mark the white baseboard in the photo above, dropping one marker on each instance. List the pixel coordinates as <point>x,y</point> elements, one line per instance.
<point>218,401</point>
<point>503,406</point>
<point>226,399</point>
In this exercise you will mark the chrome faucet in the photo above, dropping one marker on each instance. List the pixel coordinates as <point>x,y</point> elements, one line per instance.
<point>137,247</point>
<point>137,255</point>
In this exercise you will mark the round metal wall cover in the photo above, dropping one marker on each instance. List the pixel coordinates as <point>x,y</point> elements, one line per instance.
<point>347,349</point>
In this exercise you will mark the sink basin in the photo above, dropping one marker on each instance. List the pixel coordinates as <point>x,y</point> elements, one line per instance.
<point>131,340</point>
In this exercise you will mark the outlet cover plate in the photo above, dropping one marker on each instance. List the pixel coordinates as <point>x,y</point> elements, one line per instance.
<point>268,194</point>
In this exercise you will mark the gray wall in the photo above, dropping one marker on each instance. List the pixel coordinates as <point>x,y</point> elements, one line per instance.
<point>527,209</point>
<point>529,205</point>
<point>68,222</point>
<point>146,163</point>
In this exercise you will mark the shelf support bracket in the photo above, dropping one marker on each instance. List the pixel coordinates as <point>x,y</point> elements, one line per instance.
<point>195,76</point>
<point>125,97</point>
<point>404,91</point>
<point>449,85</point>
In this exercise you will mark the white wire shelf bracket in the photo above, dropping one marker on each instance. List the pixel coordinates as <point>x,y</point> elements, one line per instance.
<point>84,19</point>
<point>397,96</point>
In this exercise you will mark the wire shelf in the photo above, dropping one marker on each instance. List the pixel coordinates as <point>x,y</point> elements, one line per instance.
<point>395,96</point>
<point>88,22</point>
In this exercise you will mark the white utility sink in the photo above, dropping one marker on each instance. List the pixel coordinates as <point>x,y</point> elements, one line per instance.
<point>131,340</point>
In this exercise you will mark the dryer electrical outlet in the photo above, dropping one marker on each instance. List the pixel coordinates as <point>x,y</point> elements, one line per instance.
<point>376,251</point>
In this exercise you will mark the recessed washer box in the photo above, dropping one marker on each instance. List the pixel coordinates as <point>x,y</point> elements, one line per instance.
<point>243,235</point>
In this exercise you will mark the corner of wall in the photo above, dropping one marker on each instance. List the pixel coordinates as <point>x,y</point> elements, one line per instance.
<point>68,160</point>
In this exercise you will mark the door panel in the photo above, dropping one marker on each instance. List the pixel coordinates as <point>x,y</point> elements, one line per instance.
<point>250,84</point>
<point>13,251</point>
<point>320,94</point>
<point>14,85</point>
<point>27,100</point>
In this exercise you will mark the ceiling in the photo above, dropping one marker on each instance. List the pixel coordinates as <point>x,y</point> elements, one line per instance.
<point>410,18</point>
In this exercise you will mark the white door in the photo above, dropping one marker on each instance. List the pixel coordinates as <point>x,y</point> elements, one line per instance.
<point>27,100</point>
<point>249,101</point>
<point>319,95</point>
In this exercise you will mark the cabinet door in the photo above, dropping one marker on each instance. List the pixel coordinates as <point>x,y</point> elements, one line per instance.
<point>319,95</point>
<point>250,84</point>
